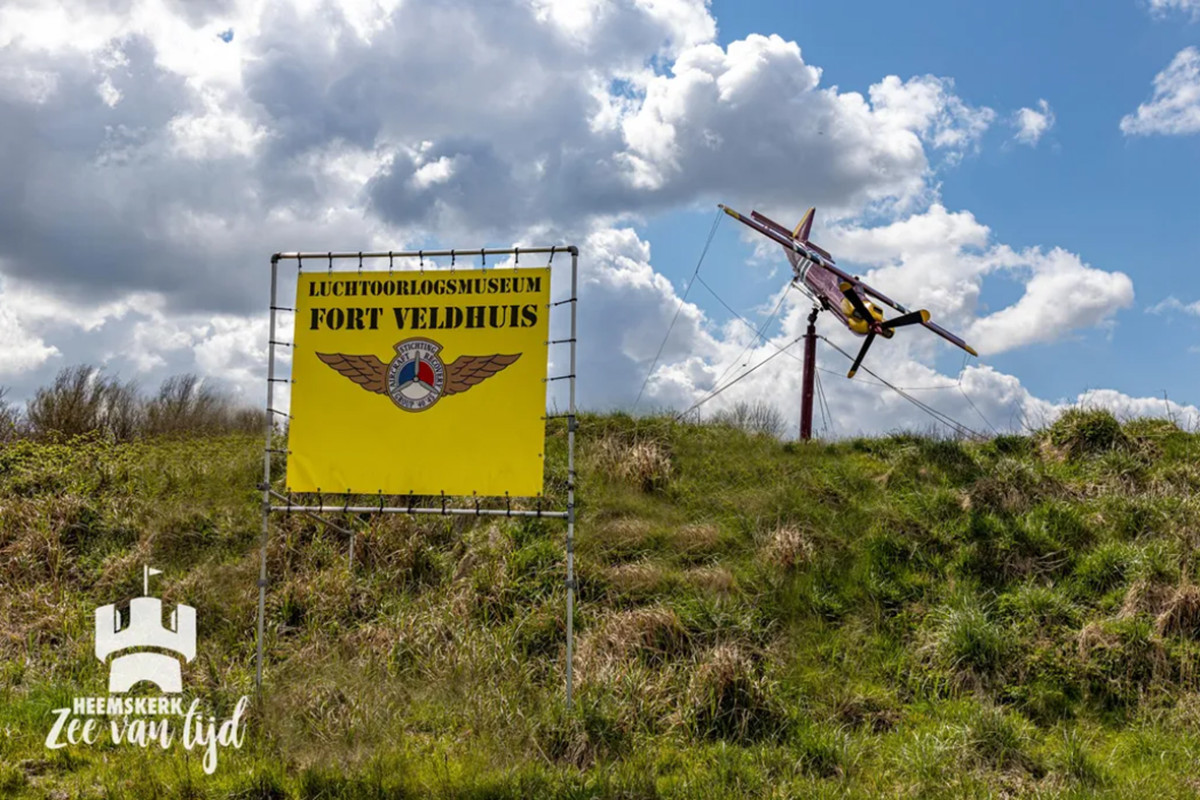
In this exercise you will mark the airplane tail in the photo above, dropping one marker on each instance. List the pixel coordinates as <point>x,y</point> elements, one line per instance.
<point>804,227</point>
<point>800,232</point>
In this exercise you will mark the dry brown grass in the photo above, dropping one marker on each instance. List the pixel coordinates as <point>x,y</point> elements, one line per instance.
<point>729,698</point>
<point>652,635</point>
<point>32,533</point>
<point>787,548</point>
<point>40,618</point>
<point>875,712</point>
<point>696,538</point>
<point>624,531</point>
<point>481,577</point>
<point>645,464</point>
<point>715,580</point>
<point>642,577</point>
<point>1093,637</point>
<point>1145,597</point>
<point>1181,614</point>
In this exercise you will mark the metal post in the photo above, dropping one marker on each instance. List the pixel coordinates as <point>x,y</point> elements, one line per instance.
<point>266,514</point>
<point>571,422</point>
<point>810,369</point>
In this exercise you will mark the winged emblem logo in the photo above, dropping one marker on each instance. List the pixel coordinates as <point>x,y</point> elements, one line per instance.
<point>417,377</point>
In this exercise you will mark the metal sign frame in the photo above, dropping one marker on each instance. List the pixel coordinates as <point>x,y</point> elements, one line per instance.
<point>273,501</point>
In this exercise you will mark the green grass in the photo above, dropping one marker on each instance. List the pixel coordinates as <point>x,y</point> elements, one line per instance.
<point>900,616</point>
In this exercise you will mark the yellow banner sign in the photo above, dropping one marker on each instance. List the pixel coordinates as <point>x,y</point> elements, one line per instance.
<point>419,382</point>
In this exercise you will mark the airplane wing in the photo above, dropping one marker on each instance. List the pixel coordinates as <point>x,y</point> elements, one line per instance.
<point>933,326</point>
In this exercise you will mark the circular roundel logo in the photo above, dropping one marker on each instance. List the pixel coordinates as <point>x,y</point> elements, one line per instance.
<point>416,376</point>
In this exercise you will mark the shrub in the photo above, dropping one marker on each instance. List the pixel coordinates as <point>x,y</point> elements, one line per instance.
<point>645,463</point>
<point>1120,659</point>
<point>1145,597</point>
<point>1010,486</point>
<point>652,634</point>
<point>1045,699</point>
<point>83,400</point>
<point>1038,605</point>
<point>968,643</point>
<point>730,699</point>
<point>1150,428</point>
<point>1009,445</point>
<point>757,417</point>
<point>787,548</point>
<point>186,404</point>
<point>1080,432</point>
<point>951,458</point>
<point>999,549</point>
<point>10,418</point>
<point>580,737</point>
<point>819,751</point>
<point>1105,568</point>
<point>1076,761</point>
<point>998,740</point>
<point>871,709</point>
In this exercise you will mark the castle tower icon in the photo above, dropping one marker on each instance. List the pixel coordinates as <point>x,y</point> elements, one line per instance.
<point>145,630</point>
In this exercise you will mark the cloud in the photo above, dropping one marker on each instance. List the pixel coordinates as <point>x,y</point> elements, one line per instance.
<point>717,123</point>
<point>1171,304</point>
<point>928,106</point>
<point>1062,294</point>
<point>1175,107</point>
<point>1162,7</point>
<point>939,260</point>
<point>152,164</point>
<point>625,308</point>
<point>1031,123</point>
<point>143,152</point>
<point>23,350</point>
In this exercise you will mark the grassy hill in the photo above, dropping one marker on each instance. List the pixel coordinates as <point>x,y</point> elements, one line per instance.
<point>888,617</point>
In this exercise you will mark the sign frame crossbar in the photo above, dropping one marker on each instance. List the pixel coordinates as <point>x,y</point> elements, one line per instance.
<point>269,495</point>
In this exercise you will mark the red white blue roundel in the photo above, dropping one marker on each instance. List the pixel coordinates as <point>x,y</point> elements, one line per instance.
<point>416,376</point>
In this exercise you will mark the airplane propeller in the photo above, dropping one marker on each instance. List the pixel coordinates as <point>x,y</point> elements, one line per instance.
<point>911,318</point>
<point>856,301</point>
<point>886,327</point>
<point>858,360</point>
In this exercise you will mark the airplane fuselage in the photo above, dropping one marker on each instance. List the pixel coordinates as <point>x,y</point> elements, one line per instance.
<point>826,287</point>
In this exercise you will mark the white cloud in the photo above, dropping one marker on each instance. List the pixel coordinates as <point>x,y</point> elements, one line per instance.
<point>23,350</point>
<point>929,107</point>
<point>1172,303</point>
<point>682,23</point>
<point>943,258</point>
<point>214,132</point>
<point>1031,123</point>
<point>625,307</point>
<point>1175,107</point>
<point>1125,407</point>
<point>1162,7</point>
<point>724,120</point>
<point>1062,294</point>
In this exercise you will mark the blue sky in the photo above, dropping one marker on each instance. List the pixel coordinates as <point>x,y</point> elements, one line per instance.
<point>1122,203</point>
<point>1025,170</point>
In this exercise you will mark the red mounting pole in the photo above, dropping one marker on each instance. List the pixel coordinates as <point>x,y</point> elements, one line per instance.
<point>810,369</point>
